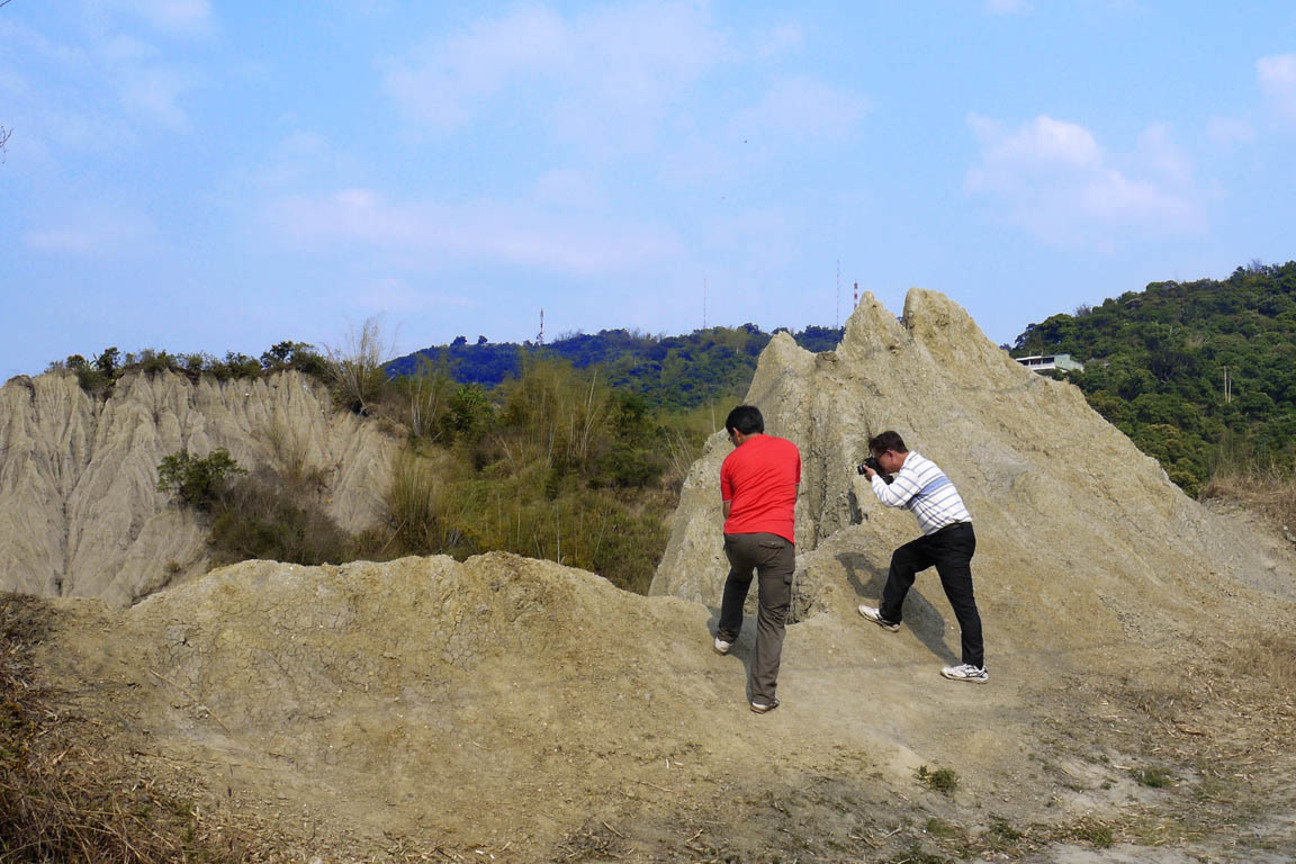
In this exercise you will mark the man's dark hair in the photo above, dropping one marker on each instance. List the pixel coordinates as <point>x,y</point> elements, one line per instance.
<point>885,441</point>
<point>746,419</point>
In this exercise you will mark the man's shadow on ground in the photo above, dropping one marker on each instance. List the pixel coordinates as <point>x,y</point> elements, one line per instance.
<point>919,614</point>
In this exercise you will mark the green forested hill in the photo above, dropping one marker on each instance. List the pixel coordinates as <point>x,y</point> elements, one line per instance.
<point>671,372</point>
<point>1196,373</point>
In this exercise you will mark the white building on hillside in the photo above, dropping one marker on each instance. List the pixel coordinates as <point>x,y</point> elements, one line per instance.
<point>1050,362</point>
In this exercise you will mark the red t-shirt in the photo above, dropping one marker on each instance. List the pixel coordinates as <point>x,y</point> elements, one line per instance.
<point>760,479</point>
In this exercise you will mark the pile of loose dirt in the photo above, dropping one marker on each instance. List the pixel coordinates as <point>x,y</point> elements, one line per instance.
<point>429,710</point>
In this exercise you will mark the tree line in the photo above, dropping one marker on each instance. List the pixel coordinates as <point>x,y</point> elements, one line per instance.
<point>1200,375</point>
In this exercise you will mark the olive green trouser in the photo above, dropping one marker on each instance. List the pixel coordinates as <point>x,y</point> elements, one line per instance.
<point>774,560</point>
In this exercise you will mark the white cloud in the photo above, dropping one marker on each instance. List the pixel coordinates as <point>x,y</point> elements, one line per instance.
<point>567,188</point>
<point>1277,77</point>
<point>1160,157</point>
<point>116,85</point>
<point>154,91</point>
<point>441,85</point>
<point>1052,178</point>
<point>397,295</point>
<point>1007,7</point>
<point>174,17</point>
<point>802,110</point>
<point>608,74</point>
<point>1230,130</point>
<point>431,235</point>
<point>94,233</point>
<point>779,41</point>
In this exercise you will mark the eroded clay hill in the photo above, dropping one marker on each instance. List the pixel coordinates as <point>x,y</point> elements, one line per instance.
<point>1076,529</point>
<point>515,710</point>
<point>80,514</point>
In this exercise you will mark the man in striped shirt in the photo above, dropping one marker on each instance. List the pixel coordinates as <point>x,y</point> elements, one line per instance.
<point>947,542</point>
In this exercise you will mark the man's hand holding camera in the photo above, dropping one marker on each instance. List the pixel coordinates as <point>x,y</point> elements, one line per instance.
<point>870,467</point>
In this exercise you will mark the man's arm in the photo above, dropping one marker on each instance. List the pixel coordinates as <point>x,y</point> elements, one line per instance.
<point>898,492</point>
<point>725,507</point>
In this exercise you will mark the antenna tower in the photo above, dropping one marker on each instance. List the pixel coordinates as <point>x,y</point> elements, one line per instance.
<point>540,338</point>
<point>856,303</point>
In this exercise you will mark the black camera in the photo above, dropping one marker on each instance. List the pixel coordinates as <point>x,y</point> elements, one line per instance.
<point>871,462</point>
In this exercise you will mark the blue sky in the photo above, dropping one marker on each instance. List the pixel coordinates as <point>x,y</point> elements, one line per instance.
<point>211,177</point>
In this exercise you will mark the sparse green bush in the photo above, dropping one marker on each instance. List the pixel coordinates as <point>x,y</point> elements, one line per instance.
<point>1153,777</point>
<point>152,362</point>
<point>1001,834</point>
<point>196,481</point>
<point>427,393</point>
<point>942,779</point>
<point>358,370</point>
<point>1096,833</point>
<point>916,855</point>
<point>938,827</point>
<point>469,416</point>
<point>264,517</point>
<point>91,378</point>
<point>423,517</point>
<point>234,367</point>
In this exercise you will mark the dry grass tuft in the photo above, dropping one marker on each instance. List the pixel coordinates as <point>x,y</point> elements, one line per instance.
<point>60,802</point>
<point>1270,658</point>
<point>1268,491</point>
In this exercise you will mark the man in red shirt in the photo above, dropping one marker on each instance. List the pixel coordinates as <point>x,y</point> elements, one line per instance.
<point>758,484</point>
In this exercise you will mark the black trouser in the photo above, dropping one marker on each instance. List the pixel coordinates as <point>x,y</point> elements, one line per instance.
<point>774,560</point>
<point>950,550</point>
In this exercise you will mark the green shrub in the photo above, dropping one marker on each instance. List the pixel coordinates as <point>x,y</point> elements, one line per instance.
<point>469,414</point>
<point>427,394</point>
<point>1095,833</point>
<point>196,481</point>
<point>264,517</point>
<point>358,370</point>
<point>1154,777</point>
<point>152,362</point>
<point>235,366</point>
<point>424,517</point>
<point>90,378</point>
<point>942,779</point>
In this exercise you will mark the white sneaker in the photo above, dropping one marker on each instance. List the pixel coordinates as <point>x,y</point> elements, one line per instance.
<point>764,707</point>
<point>875,616</point>
<point>966,672</point>
<point>721,646</point>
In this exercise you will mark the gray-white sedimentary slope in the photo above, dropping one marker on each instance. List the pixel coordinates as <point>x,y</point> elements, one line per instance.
<point>80,513</point>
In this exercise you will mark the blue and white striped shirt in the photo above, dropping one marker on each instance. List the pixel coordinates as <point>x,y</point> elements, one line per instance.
<point>922,488</point>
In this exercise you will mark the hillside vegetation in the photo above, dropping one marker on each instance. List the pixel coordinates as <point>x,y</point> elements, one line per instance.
<point>1201,375</point>
<point>670,372</point>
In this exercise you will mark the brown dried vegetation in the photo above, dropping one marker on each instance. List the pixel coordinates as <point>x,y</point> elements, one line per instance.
<point>60,800</point>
